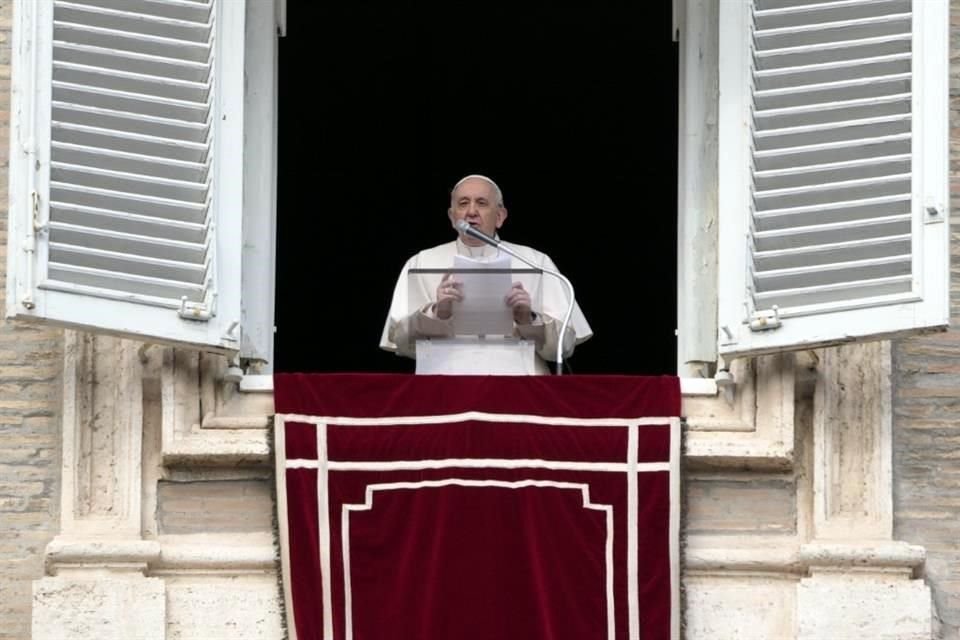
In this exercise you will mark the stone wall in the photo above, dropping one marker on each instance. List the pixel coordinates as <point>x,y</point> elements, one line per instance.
<point>30,363</point>
<point>184,503</point>
<point>927,414</point>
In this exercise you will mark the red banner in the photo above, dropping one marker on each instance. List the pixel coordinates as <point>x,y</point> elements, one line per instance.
<point>479,507</point>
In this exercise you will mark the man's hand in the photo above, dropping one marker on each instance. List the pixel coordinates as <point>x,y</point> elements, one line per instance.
<point>449,291</point>
<point>519,301</point>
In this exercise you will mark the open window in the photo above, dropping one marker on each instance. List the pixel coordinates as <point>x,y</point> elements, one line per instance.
<point>143,146</point>
<point>381,116</point>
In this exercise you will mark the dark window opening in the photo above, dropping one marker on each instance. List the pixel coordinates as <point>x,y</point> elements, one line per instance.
<point>383,106</point>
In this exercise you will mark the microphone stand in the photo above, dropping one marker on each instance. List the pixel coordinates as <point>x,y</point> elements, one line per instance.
<point>479,235</point>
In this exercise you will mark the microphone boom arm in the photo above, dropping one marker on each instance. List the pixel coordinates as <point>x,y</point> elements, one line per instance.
<point>465,227</point>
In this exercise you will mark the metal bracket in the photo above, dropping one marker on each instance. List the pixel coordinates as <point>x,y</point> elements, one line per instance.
<point>766,319</point>
<point>194,310</point>
<point>200,311</point>
<point>934,213</point>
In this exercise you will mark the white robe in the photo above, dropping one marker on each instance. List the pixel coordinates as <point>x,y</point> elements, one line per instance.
<point>411,315</point>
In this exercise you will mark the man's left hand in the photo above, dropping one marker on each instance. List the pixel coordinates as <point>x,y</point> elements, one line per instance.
<point>519,301</point>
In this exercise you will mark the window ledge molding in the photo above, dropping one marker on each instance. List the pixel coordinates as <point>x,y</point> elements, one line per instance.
<point>749,425</point>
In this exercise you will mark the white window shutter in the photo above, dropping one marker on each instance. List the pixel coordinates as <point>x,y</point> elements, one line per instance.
<point>126,169</point>
<point>833,183</point>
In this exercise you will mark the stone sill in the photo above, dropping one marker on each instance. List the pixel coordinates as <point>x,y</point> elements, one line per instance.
<point>746,425</point>
<point>688,386</point>
<point>791,557</point>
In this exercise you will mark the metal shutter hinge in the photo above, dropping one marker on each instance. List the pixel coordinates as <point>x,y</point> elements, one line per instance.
<point>201,311</point>
<point>194,310</point>
<point>30,248</point>
<point>765,319</point>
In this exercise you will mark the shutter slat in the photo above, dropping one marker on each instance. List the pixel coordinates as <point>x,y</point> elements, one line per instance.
<point>129,243</point>
<point>130,264</point>
<point>126,142</point>
<point>835,72</point>
<point>774,5</point>
<point>105,220</point>
<point>112,99</point>
<point>839,171</point>
<point>176,9</point>
<point>837,273</point>
<point>834,252</point>
<point>817,187</point>
<point>851,83</point>
<point>98,280</point>
<point>127,82</point>
<point>131,42</point>
<point>828,12</point>
<point>843,30</point>
<point>129,21</point>
<point>822,52</point>
<point>794,129</point>
<point>176,274</point>
<point>119,161</point>
<point>856,89</point>
<point>829,233</point>
<point>839,151</point>
<point>834,212</point>
<point>792,137</point>
<point>812,299</point>
<point>847,110</point>
<point>139,205</point>
<point>129,183</point>
<point>896,185</point>
<point>111,120</point>
<point>131,62</point>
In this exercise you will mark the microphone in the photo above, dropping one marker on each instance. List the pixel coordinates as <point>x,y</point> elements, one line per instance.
<point>464,227</point>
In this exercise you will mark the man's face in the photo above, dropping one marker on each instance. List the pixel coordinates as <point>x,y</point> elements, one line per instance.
<point>476,202</point>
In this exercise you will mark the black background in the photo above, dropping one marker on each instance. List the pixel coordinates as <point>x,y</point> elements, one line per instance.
<point>384,105</point>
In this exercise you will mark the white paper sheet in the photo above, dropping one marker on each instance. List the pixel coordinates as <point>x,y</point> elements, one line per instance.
<point>484,310</point>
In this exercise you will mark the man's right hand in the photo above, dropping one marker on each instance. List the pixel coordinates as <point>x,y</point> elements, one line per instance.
<point>449,291</point>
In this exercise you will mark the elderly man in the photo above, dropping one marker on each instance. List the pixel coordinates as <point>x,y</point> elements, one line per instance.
<point>423,308</point>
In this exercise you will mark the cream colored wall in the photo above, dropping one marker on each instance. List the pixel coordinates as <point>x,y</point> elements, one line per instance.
<point>796,524</point>
<point>788,520</point>
<point>927,416</point>
<point>30,387</point>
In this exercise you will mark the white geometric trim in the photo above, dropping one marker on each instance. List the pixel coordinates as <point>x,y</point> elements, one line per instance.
<point>323,526</point>
<point>285,564</point>
<point>478,463</point>
<point>480,416</point>
<point>675,528</point>
<point>393,486</point>
<point>633,568</point>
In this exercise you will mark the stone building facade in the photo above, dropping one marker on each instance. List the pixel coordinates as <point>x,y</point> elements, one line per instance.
<point>136,484</point>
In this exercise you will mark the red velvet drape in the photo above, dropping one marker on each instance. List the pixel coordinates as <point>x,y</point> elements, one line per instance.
<point>479,507</point>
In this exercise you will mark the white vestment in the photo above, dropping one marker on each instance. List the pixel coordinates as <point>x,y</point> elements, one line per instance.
<point>411,313</point>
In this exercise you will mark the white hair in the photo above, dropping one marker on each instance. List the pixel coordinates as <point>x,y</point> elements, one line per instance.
<point>477,176</point>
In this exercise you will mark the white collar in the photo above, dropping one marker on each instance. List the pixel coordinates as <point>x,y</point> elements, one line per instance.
<point>483,251</point>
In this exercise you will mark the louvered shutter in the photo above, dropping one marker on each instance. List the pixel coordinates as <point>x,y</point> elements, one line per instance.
<point>833,184</point>
<point>126,167</point>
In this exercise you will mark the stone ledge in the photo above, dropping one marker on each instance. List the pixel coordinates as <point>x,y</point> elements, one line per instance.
<point>765,556</point>
<point>217,452</point>
<point>724,452</point>
<point>880,554</point>
<point>743,560</point>
<point>67,553</point>
<point>206,554</point>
